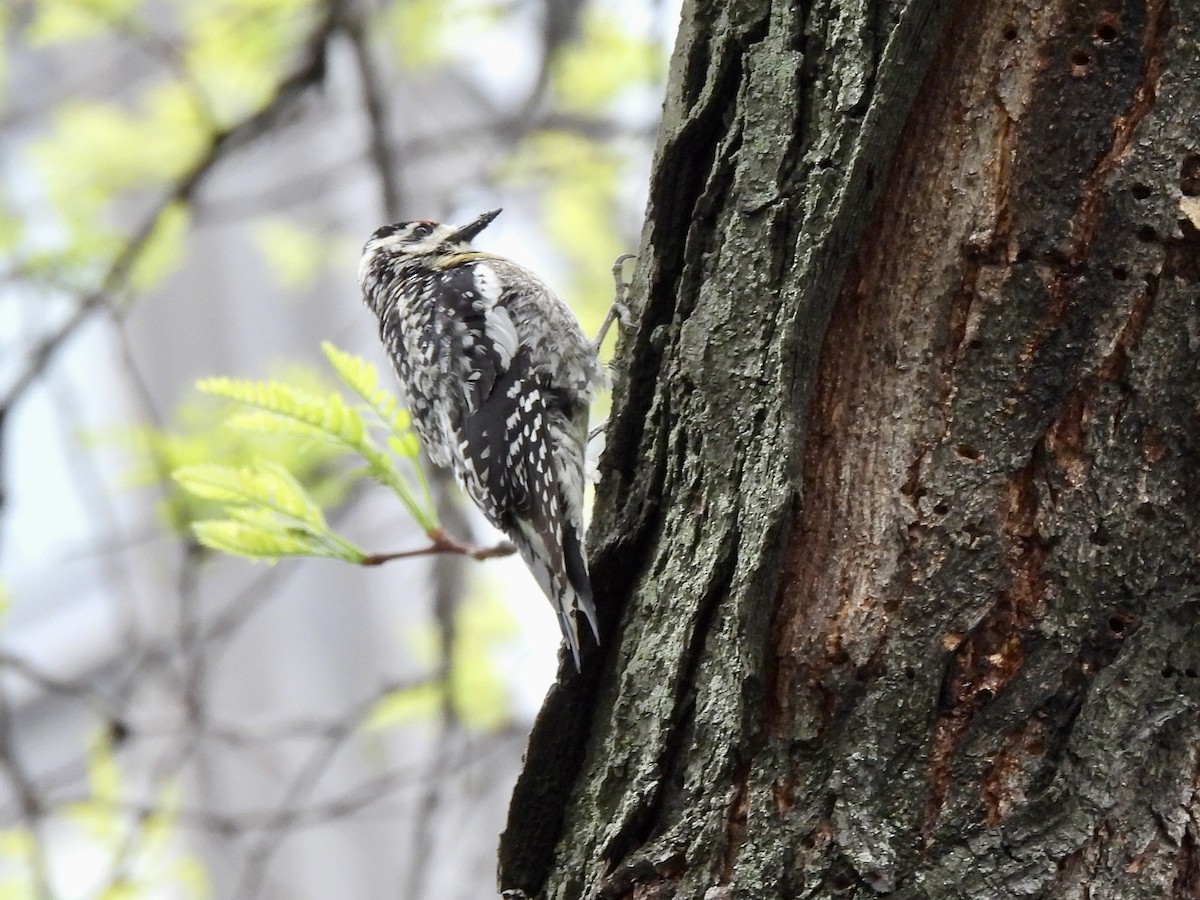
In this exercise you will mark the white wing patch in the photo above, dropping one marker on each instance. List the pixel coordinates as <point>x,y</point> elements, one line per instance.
<point>502,333</point>
<point>498,324</point>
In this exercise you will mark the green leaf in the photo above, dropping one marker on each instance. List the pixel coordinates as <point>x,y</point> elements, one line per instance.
<point>104,777</point>
<point>96,814</point>
<point>17,844</point>
<point>98,153</point>
<point>418,29</point>
<point>358,374</point>
<point>579,181</point>
<point>270,514</point>
<point>237,49</point>
<point>67,21</point>
<point>267,543</point>
<point>363,378</point>
<point>294,254</point>
<point>197,434</point>
<point>406,706</point>
<point>406,445</point>
<point>478,690</point>
<point>98,148</point>
<point>163,250</point>
<point>590,73</point>
<point>119,889</point>
<point>267,485</point>
<point>328,418</point>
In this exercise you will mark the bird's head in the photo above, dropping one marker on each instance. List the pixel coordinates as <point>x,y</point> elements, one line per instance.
<point>423,243</point>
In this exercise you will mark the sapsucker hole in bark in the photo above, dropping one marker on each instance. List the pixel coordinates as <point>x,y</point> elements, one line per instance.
<point>1189,176</point>
<point>1106,33</point>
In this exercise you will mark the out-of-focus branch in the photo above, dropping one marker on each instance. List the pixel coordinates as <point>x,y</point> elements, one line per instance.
<point>28,799</point>
<point>300,189</point>
<point>387,163</point>
<point>281,821</point>
<point>309,72</point>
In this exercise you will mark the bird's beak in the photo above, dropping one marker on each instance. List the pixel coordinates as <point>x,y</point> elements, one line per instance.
<point>468,231</point>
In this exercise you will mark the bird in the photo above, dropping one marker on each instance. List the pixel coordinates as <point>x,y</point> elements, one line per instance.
<point>498,377</point>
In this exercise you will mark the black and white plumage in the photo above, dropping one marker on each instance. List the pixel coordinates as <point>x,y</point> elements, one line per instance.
<point>498,377</point>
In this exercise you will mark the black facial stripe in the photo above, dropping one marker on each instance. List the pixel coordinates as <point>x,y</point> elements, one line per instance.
<point>385,231</point>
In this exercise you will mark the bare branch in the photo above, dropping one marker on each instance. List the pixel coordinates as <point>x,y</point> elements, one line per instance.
<point>443,543</point>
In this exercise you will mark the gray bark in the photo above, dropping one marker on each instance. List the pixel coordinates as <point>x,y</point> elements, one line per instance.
<point>898,538</point>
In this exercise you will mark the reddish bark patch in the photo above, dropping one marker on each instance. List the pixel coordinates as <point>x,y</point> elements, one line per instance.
<point>1187,866</point>
<point>1003,788</point>
<point>1066,438</point>
<point>735,825</point>
<point>1112,368</point>
<point>994,651</point>
<point>1094,196</point>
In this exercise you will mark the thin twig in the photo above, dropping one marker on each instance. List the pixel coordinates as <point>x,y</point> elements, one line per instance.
<point>442,543</point>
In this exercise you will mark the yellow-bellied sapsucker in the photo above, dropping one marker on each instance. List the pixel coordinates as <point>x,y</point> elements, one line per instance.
<point>498,377</point>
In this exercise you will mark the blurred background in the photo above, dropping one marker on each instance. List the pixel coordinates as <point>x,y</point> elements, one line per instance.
<point>185,186</point>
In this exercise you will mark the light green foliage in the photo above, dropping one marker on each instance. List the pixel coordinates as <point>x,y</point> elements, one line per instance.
<point>197,435</point>
<point>474,686</point>
<point>163,250</point>
<point>97,152</point>
<point>578,179</point>
<point>268,512</point>
<point>5,24</point>
<point>408,705</point>
<point>97,149</point>
<point>119,851</point>
<point>592,72</point>
<point>477,686</point>
<point>423,33</point>
<point>296,255</point>
<point>416,28</point>
<point>12,227</point>
<point>226,61</point>
<point>68,21</point>
<point>237,49</point>
<point>18,850</point>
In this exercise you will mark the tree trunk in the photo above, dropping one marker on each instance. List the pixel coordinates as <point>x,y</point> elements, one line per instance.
<point>898,538</point>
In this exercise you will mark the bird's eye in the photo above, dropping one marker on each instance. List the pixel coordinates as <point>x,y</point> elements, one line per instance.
<point>422,230</point>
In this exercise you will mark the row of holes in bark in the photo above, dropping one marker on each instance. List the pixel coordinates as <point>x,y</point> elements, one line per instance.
<point>1118,627</point>
<point>1189,180</point>
<point>1100,537</point>
<point>1106,33</point>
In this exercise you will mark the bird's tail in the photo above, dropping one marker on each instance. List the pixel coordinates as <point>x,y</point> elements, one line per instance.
<point>553,551</point>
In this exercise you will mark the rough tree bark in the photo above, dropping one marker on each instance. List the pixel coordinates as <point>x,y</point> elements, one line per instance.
<point>898,538</point>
